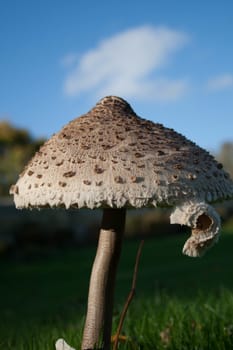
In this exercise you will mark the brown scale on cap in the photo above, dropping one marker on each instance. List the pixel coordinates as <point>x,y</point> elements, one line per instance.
<point>98,169</point>
<point>69,174</point>
<point>105,146</point>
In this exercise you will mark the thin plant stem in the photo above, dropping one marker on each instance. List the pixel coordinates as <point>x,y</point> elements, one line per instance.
<point>130,295</point>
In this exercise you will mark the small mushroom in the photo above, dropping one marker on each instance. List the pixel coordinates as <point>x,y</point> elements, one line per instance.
<point>62,345</point>
<point>175,172</point>
<point>205,224</point>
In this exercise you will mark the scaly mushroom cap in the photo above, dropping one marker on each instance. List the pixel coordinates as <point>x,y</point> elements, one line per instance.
<point>110,157</point>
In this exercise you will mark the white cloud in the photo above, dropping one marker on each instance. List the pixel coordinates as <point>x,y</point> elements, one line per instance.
<point>124,65</point>
<point>220,82</point>
<point>69,60</point>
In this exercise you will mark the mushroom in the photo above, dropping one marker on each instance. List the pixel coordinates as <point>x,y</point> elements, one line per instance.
<point>62,345</point>
<point>112,159</point>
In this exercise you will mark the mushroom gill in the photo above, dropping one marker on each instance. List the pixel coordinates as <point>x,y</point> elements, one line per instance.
<point>204,222</point>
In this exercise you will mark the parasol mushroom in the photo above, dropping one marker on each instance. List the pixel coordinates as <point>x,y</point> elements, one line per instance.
<point>112,159</point>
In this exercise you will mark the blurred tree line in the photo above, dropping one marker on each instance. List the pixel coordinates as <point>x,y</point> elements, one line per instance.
<point>225,156</point>
<point>16,148</point>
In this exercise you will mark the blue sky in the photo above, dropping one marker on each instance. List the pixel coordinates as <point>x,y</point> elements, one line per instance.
<point>172,61</point>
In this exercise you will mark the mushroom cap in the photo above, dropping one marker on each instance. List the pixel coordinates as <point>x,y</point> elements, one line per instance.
<point>110,157</point>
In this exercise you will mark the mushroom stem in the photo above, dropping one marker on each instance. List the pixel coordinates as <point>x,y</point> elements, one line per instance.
<point>102,281</point>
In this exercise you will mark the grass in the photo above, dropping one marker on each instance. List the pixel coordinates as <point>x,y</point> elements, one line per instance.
<point>181,303</point>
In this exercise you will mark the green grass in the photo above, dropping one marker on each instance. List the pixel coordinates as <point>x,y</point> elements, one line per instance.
<point>181,303</point>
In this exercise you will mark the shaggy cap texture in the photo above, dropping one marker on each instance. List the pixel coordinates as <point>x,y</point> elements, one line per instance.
<point>110,157</point>
<point>204,222</point>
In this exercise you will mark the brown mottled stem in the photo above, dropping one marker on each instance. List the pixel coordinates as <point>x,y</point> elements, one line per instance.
<point>102,281</point>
